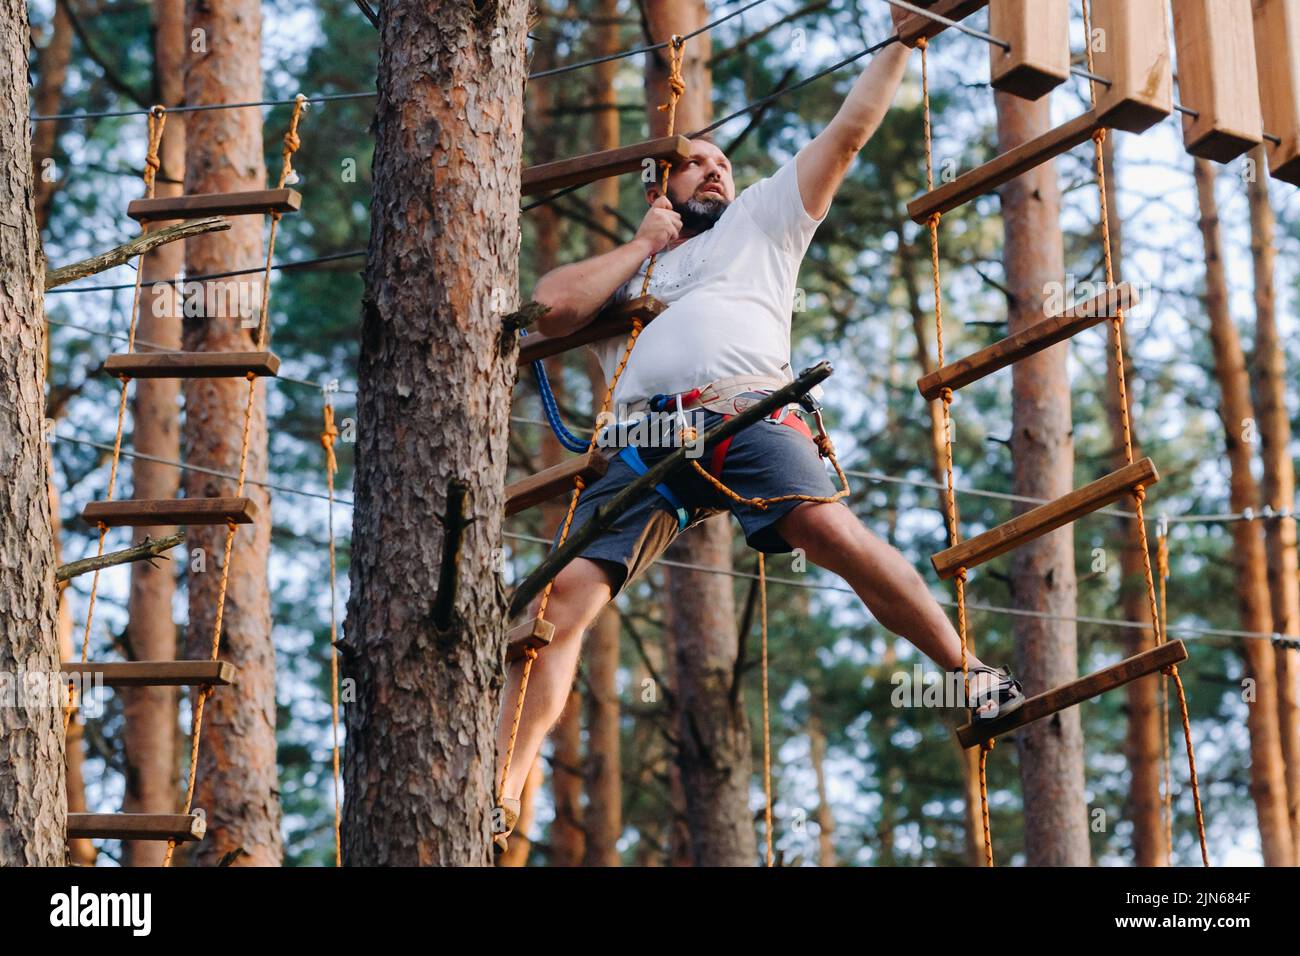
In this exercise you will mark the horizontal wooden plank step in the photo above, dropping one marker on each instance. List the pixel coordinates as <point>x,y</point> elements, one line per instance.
<point>609,162</point>
<point>181,827</point>
<point>556,480</point>
<point>1038,522</point>
<point>254,202</point>
<point>915,26</point>
<point>154,673</point>
<point>192,364</point>
<point>147,512</point>
<point>615,320</point>
<point>536,634</point>
<point>1055,328</point>
<point>1001,169</point>
<point>1075,692</point>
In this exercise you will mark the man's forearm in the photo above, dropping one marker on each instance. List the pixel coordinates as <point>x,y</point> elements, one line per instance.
<point>574,292</point>
<point>867,102</point>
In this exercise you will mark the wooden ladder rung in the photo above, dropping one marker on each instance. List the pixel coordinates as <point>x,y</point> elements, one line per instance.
<point>535,634</point>
<point>192,364</point>
<point>153,673</point>
<point>556,480</point>
<point>1038,522</point>
<point>1008,166</point>
<point>609,162</point>
<point>615,320</point>
<point>915,26</point>
<point>148,512</point>
<point>254,202</point>
<point>181,827</point>
<point>1055,328</point>
<point>1075,692</point>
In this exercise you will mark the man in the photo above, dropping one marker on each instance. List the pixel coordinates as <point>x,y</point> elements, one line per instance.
<point>727,268</point>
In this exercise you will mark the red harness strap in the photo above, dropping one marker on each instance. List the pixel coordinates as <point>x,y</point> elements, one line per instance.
<point>719,456</point>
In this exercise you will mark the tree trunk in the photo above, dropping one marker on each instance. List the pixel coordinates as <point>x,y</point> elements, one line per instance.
<point>32,787</point>
<point>1143,743</point>
<point>825,817</point>
<point>1267,783</point>
<point>603,817</point>
<point>52,72</point>
<point>149,736</point>
<point>237,783</point>
<point>1042,448</point>
<point>1277,489</point>
<point>433,413</point>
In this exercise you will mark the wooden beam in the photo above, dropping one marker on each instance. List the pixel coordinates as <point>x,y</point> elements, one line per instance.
<point>556,480</point>
<point>1130,43</point>
<point>1075,692</point>
<point>1216,77</point>
<point>181,827</point>
<point>152,673</point>
<point>535,634</point>
<point>148,512</point>
<point>615,320</point>
<point>192,364</point>
<point>1039,521</point>
<point>609,162</point>
<point>915,26</point>
<point>255,202</point>
<point>988,177</point>
<point>1039,34</point>
<point>1053,329</point>
<point>1277,56</point>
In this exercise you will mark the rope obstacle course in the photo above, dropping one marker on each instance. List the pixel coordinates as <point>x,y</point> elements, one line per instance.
<point>1029,67</point>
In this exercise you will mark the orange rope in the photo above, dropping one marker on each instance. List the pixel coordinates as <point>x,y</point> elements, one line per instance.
<point>767,722</point>
<point>291,144</point>
<point>1139,492</point>
<point>329,434</point>
<point>950,495</point>
<point>1167,807</point>
<point>676,87</point>
<point>152,163</point>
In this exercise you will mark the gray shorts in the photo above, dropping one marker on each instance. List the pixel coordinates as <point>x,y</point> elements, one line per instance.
<point>766,460</point>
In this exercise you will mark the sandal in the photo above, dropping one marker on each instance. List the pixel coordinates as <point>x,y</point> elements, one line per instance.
<point>504,815</point>
<point>997,699</point>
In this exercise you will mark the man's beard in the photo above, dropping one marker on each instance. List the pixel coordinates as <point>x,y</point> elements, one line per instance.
<point>699,215</point>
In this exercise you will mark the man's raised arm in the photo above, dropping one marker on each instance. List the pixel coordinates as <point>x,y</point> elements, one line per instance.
<point>823,163</point>
<point>575,292</point>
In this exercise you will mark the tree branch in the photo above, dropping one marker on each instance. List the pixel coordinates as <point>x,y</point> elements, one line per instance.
<point>145,551</point>
<point>129,250</point>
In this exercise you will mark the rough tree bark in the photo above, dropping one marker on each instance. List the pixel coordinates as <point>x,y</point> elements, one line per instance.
<point>1042,449</point>
<point>1277,488</point>
<point>32,786</point>
<point>237,783</point>
<point>149,736</point>
<point>1267,784</point>
<point>1143,737</point>
<point>433,410</point>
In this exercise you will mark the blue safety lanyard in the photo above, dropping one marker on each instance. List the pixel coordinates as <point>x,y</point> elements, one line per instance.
<point>633,458</point>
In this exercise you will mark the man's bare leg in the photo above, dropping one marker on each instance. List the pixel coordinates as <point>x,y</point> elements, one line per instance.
<point>832,537</point>
<point>579,593</point>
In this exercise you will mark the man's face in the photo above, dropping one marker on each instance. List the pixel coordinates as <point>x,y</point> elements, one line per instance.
<point>700,188</point>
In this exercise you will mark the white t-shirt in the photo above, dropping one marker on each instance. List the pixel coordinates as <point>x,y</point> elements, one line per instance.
<point>730,296</point>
